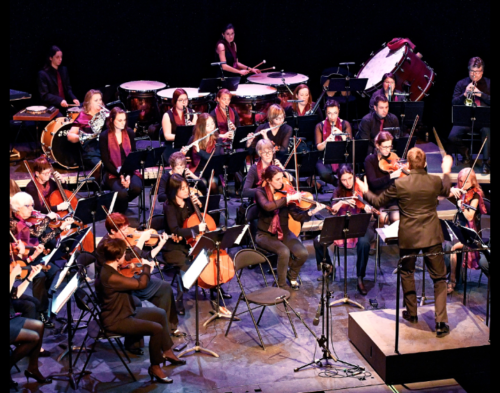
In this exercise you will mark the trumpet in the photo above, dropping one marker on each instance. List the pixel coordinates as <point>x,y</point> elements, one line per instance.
<point>261,132</point>
<point>469,99</point>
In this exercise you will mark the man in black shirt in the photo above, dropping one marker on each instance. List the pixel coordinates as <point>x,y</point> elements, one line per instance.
<point>481,97</point>
<point>376,121</point>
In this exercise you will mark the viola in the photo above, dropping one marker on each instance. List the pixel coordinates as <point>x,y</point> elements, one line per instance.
<point>25,269</point>
<point>133,236</point>
<point>27,248</point>
<point>391,163</point>
<point>360,202</point>
<point>128,271</point>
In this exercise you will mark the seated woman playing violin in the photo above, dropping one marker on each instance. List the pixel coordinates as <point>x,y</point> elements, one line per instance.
<point>467,192</point>
<point>178,165</point>
<point>303,93</point>
<point>380,180</point>
<point>325,132</point>
<point>347,188</point>
<point>119,314</point>
<point>273,233</point>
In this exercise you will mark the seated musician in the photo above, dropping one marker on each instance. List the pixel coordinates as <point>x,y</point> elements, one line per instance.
<point>379,180</point>
<point>303,93</point>
<point>53,82</point>
<point>157,291</point>
<point>42,171</point>
<point>280,136</point>
<point>34,234</point>
<point>26,334</point>
<point>226,127</point>
<point>388,89</point>
<point>347,188</point>
<point>226,51</point>
<point>201,153</point>
<point>375,121</point>
<point>325,132</point>
<point>90,149</point>
<point>119,314</point>
<point>178,165</point>
<point>273,233</point>
<point>115,145</point>
<point>481,97</point>
<point>471,194</point>
<point>254,178</point>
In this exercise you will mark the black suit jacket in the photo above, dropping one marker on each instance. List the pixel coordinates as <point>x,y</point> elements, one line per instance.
<point>47,86</point>
<point>416,194</point>
<point>369,127</point>
<point>483,84</point>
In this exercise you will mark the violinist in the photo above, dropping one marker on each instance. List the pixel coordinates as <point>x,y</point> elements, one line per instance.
<point>273,233</point>
<point>388,89</point>
<point>119,314</point>
<point>347,187</point>
<point>157,291</point>
<point>376,121</point>
<point>43,170</point>
<point>302,93</point>
<point>178,165</point>
<point>280,136</point>
<point>419,230</point>
<point>226,127</point>
<point>470,193</point>
<point>254,178</point>
<point>115,145</point>
<point>378,180</point>
<point>325,132</point>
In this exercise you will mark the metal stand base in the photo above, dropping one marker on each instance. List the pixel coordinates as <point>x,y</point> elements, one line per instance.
<point>197,348</point>
<point>346,300</point>
<point>74,349</point>
<point>70,377</point>
<point>216,315</point>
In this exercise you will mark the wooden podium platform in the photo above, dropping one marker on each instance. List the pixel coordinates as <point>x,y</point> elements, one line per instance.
<point>423,356</point>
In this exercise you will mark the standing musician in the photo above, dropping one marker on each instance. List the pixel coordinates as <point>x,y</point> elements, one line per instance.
<point>53,81</point>
<point>273,233</point>
<point>178,164</point>
<point>479,87</point>
<point>43,170</point>
<point>226,51</point>
<point>470,193</point>
<point>115,145</point>
<point>325,132</point>
<point>303,93</point>
<point>201,153</point>
<point>347,187</point>
<point>279,136</point>
<point>119,314</point>
<point>374,122</point>
<point>378,180</point>
<point>388,89</point>
<point>90,149</point>
<point>265,150</point>
<point>226,128</point>
<point>419,230</point>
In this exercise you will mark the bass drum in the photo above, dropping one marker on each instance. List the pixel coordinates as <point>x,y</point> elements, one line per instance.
<point>141,95</point>
<point>56,146</point>
<point>256,98</point>
<point>412,74</point>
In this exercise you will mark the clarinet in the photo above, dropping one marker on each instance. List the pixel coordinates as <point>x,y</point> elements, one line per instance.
<point>229,123</point>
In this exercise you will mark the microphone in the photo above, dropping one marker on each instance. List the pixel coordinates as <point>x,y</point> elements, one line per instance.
<point>114,102</point>
<point>390,128</point>
<point>218,63</point>
<point>318,313</point>
<point>348,63</point>
<point>390,95</point>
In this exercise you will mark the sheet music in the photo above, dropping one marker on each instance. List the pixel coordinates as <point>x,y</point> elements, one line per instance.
<point>389,231</point>
<point>64,271</point>
<point>194,271</point>
<point>238,239</point>
<point>48,257</point>
<point>65,294</point>
<point>111,207</point>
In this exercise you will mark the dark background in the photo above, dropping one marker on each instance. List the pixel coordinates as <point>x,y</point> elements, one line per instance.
<point>106,43</point>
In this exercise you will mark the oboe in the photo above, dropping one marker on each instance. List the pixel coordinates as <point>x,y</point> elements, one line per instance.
<point>186,118</point>
<point>230,127</point>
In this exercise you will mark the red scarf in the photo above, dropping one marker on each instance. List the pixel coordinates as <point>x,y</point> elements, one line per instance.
<point>275,226</point>
<point>222,119</point>
<point>114,149</point>
<point>179,120</point>
<point>306,108</point>
<point>260,171</point>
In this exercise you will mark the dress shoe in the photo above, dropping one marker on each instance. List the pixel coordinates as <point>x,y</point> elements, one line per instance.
<point>48,324</point>
<point>37,377</point>
<point>442,329</point>
<point>159,379</point>
<point>486,168</point>
<point>135,351</point>
<point>225,295</point>
<point>179,305</point>
<point>178,333</point>
<point>294,284</point>
<point>174,362</point>
<point>409,318</point>
<point>44,354</point>
<point>361,286</point>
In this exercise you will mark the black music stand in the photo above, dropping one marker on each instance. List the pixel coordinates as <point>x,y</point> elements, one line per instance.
<point>343,228</point>
<point>213,203</point>
<point>182,135</point>
<point>470,116</point>
<point>338,152</point>
<point>241,133</point>
<point>213,85</point>
<point>407,111</point>
<point>348,85</point>
<point>400,145</point>
<point>306,126</point>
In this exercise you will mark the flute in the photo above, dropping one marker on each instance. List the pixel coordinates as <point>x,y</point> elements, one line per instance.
<point>195,143</point>
<point>261,132</point>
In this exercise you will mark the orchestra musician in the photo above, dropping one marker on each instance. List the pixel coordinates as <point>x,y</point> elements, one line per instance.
<point>273,233</point>
<point>279,136</point>
<point>303,93</point>
<point>470,193</point>
<point>325,132</point>
<point>347,187</point>
<point>388,89</point>
<point>115,144</point>
<point>119,314</point>
<point>223,99</point>
<point>178,165</point>
<point>374,122</point>
<point>53,82</point>
<point>481,97</point>
<point>419,230</point>
<point>226,51</point>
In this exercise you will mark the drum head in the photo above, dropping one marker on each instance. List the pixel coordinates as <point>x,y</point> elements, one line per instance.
<point>143,86</point>
<point>253,91</point>
<point>274,78</point>
<point>192,92</point>
<point>62,151</point>
<point>282,74</point>
<point>383,62</point>
<point>37,108</point>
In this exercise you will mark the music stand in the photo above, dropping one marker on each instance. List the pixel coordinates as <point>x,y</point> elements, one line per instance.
<point>306,126</point>
<point>240,133</point>
<point>213,203</point>
<point>400,144</point>
<point>337,152</point>
<point>343,228</point>
<point>213,85</point>
<point>407,111</point>
<point>470,116</point>
<point>347,84</point>
<point>182,135</point>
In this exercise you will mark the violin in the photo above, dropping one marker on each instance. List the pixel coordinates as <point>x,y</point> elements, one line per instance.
<point>360,202</point>
<point>127,270</point>
<point>133,236</point>
<point>306,200</point>
<point>25,269</point>
<point>27,249</point>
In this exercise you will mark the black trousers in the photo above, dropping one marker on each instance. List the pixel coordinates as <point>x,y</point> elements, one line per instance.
<point>437,271</point>
<point>458,133</point>
<point>148,321</point>
<point>41,285</point>
<point>28,306</point>
<point>124,196</point>
<point>326,173</point>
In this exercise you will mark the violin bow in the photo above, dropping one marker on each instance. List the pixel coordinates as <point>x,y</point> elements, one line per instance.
<point>438,141</point>
<point>409,138</point>
<point>289,157</point>
<point>61,190</point>
<point>36,186</point>
<point>153,202</point>
<point>296,166</point>
<point>208,195</point>
<point>84,180</point>
<point>119,230</point>
<point>205,167</point>
<point>477,156</point>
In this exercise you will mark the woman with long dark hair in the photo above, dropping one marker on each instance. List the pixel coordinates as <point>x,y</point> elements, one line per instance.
<point>388,89</point>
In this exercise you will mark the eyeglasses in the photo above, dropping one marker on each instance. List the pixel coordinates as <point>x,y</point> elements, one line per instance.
<point>385,147</point>
<point>266,152</point>
<point>28,206</point>
<point>476,72</point>
<point>184,100</point>
<point>279,118</point>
